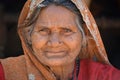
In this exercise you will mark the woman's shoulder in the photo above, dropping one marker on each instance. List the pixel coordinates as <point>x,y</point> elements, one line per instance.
<point>94,64</point>
<point>13,67</point>
<point>13,61</point>
<point>91,63</point>
<point>98,70</point>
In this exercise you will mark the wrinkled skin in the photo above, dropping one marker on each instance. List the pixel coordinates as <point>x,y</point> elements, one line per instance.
<point>56,39</point>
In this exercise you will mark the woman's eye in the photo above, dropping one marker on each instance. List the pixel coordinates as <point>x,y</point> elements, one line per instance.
<point>44,31</point>
<point>66,31</point>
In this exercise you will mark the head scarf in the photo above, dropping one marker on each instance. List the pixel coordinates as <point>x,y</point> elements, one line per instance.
<point>94,49</point>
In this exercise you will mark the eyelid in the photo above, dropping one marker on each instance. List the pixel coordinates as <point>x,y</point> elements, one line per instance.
<point>39,28</point>
<point>66,31</point>
<point>43,29</point>
<point>70,30</point>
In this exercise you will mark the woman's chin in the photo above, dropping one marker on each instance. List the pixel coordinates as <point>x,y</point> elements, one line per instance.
<point>57,62</point>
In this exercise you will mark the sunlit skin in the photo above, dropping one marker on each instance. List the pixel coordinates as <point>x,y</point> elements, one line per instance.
<point>56,40</point>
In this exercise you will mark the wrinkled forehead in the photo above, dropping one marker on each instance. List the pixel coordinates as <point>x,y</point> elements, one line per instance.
<point>53,15</point>
<point>53,8</point>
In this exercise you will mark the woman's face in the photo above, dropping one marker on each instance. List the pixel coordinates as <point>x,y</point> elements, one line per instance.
<point>56,39</point>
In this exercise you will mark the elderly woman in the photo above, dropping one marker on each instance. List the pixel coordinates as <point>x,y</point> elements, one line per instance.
<point>61,42</point>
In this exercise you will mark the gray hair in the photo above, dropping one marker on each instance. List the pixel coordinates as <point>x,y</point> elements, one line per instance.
<point>80,27</point>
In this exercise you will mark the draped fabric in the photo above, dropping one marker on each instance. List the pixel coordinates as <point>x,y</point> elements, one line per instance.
<point>2,77</point>
<point>28,67</point>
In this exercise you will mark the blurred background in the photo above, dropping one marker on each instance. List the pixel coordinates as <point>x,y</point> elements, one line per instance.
<point>105,12</point>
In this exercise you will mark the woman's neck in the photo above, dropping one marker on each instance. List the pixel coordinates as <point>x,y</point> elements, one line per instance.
<point>63,72</point>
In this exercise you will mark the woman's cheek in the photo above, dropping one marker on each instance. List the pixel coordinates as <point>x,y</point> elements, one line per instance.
<point>72,40</point>
<point>38,41</point>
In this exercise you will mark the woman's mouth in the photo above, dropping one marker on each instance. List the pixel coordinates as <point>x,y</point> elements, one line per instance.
<point>55,54</point>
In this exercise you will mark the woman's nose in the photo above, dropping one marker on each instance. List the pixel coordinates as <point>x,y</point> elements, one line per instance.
<point>54,40</point>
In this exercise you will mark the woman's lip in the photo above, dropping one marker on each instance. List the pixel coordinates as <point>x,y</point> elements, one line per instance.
<point>55,53</point>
